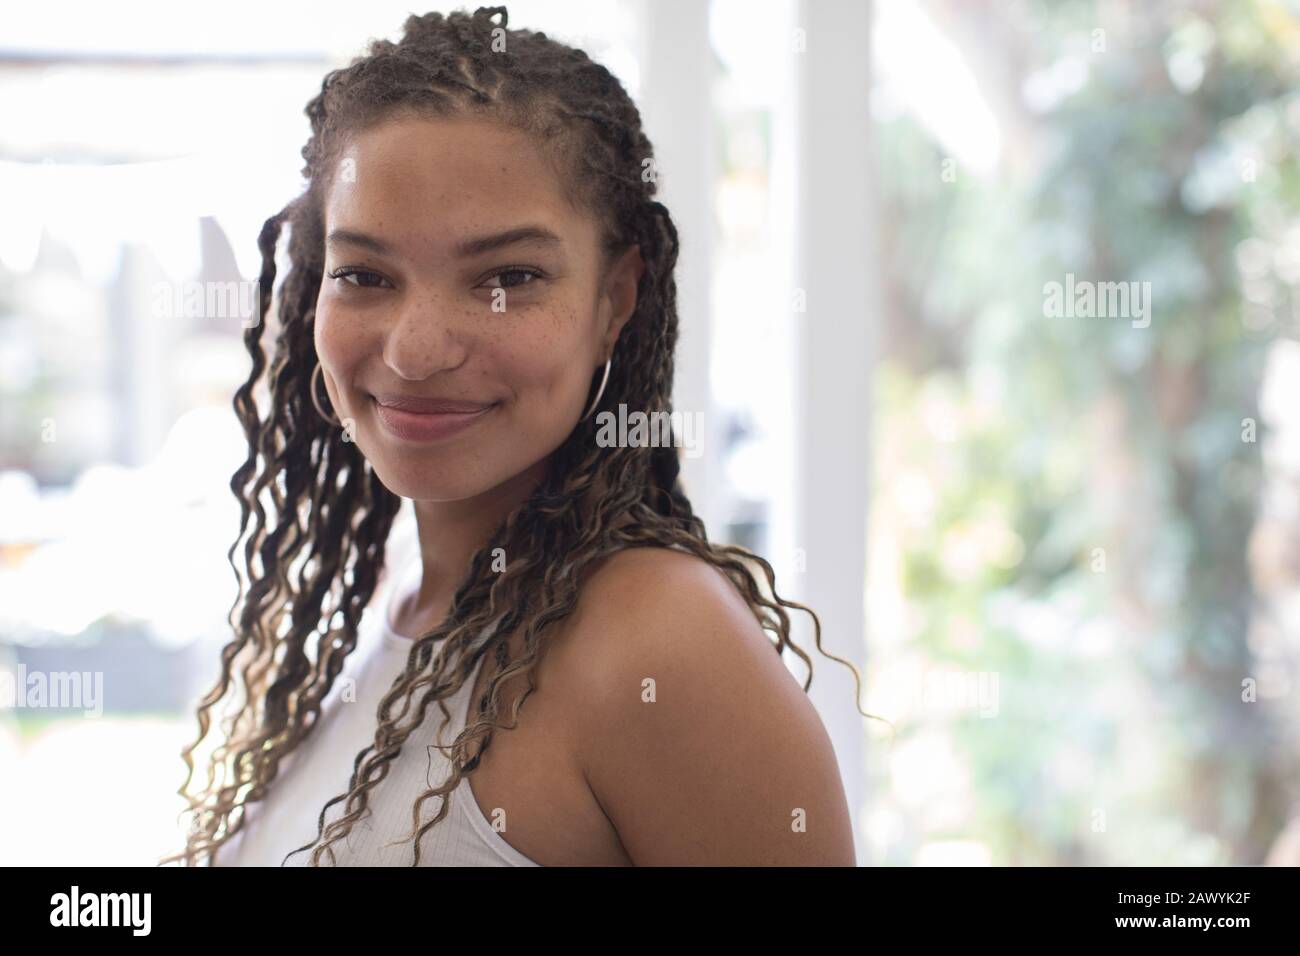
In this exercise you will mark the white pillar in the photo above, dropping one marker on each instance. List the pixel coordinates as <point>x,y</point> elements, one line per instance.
<point>835,264</point>
<point>677,113</point>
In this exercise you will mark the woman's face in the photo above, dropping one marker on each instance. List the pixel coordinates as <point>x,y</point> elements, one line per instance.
<point>456,273</point>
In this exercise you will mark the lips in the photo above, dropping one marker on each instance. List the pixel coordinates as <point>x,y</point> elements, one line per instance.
<point>431,406</point>
<point>428,419</point>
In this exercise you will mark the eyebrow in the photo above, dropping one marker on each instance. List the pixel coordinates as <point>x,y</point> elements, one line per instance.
<point>466,249</point>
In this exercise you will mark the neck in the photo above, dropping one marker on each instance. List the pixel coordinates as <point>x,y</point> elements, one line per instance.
<point>450,532</point>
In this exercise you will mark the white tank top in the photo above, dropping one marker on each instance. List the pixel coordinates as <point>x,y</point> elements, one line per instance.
<point>321,766</point>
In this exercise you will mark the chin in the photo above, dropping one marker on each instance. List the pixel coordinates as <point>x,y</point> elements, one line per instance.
<point>410,481</point>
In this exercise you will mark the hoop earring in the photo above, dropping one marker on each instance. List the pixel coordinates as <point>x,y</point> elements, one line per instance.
<point>600,391</point>
<point>316,401</point>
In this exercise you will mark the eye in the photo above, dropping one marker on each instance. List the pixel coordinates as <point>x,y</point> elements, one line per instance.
<point>524,275</point>
<point>365,279</point>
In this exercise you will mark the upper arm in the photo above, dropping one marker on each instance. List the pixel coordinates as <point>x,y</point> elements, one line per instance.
<point>699,744</point>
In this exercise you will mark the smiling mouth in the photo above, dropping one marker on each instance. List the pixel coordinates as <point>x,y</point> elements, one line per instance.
<point>444,420</point>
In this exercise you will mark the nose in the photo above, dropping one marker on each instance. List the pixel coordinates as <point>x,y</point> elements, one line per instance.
<point>427,337</point>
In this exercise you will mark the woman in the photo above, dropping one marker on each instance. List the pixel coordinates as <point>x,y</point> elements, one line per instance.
<point>479,269</point>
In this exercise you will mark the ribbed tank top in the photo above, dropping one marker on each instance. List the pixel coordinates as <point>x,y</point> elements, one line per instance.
<point>320,768</point>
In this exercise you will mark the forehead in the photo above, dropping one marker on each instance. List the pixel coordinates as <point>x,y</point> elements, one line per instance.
<point>417,178</point>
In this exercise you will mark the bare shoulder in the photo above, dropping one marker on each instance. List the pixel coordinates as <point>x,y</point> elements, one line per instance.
<point>668,587</point>
<point>697,741</point>
<point>654,605</point>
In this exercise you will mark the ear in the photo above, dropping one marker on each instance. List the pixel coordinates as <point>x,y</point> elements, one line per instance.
<point>619,296</point>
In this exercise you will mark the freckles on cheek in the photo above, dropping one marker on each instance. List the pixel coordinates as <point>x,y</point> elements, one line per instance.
<point>337,344</point>
<point>531,354</point>
<point>556,353</point>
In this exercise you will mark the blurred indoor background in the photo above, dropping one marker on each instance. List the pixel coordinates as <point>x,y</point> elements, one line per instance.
<point>1064,548</point>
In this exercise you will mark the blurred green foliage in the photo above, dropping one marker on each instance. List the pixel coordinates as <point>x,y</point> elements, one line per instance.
<point>1110,457</point>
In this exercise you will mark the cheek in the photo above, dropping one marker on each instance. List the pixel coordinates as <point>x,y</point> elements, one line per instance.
<point>340,345</point>
<point>545,359</point>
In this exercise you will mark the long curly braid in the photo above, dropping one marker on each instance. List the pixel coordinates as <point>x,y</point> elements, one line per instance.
<point>330,515</point>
